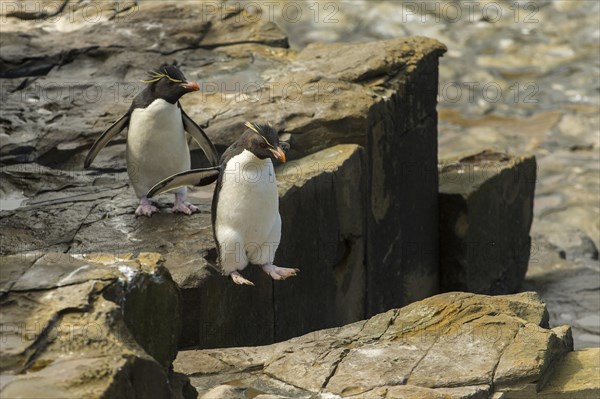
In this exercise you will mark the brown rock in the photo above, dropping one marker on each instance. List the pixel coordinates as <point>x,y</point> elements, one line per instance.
<point>577,376</point>
<point>454,345</point>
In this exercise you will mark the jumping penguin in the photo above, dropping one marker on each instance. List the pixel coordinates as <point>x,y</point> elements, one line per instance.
<point>156,144</point>
<point>245,207</point>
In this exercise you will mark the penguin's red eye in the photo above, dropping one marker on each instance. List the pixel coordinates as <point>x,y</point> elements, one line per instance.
<point>263,145</point>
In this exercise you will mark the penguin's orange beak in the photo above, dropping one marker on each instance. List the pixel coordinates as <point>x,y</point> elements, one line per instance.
<point>278,154</point>
<point>191,86</point>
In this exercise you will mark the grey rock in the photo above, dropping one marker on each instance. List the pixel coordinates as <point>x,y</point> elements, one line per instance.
<point>569,288</point>
<point>486,210</point>
<point>570,242</point>
<point>224,392</point>
<point>69,76</point>
<point>93,326</point>
<point>591,322</point>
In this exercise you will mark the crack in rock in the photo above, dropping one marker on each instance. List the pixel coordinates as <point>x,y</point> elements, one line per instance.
<point>334,368</point>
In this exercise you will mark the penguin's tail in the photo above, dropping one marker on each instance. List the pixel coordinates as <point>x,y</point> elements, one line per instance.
<point>193,177</point>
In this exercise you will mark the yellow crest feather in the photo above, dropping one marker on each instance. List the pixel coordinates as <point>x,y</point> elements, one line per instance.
<point>254,128</point>
<point>155,76</point>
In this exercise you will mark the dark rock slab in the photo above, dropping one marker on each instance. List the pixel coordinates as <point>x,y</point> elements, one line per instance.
<point>322,208</point>
<point>402,217</point>
<point>218,313</point>
<point>486,210</point>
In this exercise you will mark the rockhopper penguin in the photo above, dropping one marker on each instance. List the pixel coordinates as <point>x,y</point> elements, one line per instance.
<point>156,144</point>
<point>245,206</point>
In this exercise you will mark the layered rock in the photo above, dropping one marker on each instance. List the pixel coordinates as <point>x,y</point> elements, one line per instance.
<point>503,343</point>
<point>320,97</point>
<point>80,74</point>
<point>100,67</point>
<point>486,210</point>
<point>87,326</point>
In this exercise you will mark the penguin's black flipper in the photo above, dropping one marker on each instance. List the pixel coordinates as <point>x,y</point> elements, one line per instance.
<point>193,177</point>
<point>201,138</point>
<point>108,134</point>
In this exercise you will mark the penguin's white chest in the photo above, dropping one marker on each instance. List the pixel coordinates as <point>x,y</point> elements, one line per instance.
<point>156,145</point>
<point>248,209</point>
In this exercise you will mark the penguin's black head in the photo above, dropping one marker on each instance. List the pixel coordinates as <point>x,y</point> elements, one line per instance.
<point>170,84</point>
<point>262,141</point>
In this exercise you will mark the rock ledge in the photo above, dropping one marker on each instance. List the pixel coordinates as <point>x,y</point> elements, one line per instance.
<point>455,345</point>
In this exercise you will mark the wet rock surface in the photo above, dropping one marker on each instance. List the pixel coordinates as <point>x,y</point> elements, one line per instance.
<point>409,352</point>
<point>94,326</point>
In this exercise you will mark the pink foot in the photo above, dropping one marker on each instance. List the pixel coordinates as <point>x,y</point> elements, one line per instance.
<point>279,273</point>
<point>238,279</point>
<point>145,208</point>
<point>182,206</point>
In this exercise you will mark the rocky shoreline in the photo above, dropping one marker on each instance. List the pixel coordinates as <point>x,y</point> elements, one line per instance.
<point>520,78</point>
<point>110,298</point>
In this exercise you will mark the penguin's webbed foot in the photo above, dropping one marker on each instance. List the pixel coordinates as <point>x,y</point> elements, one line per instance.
<point>182,206</point>
<point>279,273</point>
<point>145,208</point>
<point>239,279</point>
